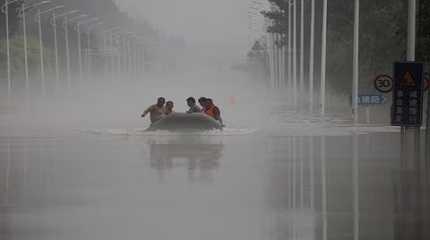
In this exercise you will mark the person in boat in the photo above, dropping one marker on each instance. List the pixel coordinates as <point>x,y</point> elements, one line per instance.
<point>169,108</point>
<point>156,111</point>
<point>191,102</point>
<point>202,102</point>
<point>212,110</point>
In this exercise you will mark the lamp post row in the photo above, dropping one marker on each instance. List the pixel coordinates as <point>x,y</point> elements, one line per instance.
<point>294,79</point>
<point>296,54</point>
<point>91,23</point>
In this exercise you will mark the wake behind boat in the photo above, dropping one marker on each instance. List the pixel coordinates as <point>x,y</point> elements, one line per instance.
<point>185,122</point>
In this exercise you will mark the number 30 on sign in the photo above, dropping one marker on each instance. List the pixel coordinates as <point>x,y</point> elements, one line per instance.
<point>384,83</point>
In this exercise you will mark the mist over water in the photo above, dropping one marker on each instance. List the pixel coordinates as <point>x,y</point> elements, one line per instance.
<point>77,163</point>
<point>101,103</point>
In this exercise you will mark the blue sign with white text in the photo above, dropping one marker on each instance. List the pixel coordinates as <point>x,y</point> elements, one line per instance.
<point>370,99</point>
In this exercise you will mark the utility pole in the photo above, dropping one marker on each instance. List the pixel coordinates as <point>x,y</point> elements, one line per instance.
<point>356,69</point>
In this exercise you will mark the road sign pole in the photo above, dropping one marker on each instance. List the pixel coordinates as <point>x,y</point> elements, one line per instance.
<point>428,115</point>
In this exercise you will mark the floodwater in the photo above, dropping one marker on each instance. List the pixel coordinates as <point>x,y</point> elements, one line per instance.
<point>320,181</point>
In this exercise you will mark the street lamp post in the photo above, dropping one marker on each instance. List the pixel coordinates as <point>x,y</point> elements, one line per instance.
<point>311,58</point>
<point>88,57</point>
<point>9,81</point>
<point>323,59</point>
<point>356,61</point>
<point>140,55</point>
<point>302,50</point>
<point>290,76</point>
<point>68,20</point>
<point>117,36</point>
<point>24,30</point>
<point>108,39</point>
<point>54,24</point>
<point>78,31</point>
<point>23,14</point>
<point>5,10</point>
<point>41,47</point>
<point>130,53</point>
<point>42,65</point>
<point>295,93</point>
<point>412,30</point>
<point>66,37</point>
<point>57,72</point>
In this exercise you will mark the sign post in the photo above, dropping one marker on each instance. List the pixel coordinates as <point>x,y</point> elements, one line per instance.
<point>426,88</point>
<point>369,100</point>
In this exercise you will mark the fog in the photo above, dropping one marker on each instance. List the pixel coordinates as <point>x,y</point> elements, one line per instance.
<point>77,160</point>
<point>198,21</point>
<point>213,38</point>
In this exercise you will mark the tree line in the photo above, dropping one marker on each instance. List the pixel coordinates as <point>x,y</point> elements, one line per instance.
<point>383,32</point>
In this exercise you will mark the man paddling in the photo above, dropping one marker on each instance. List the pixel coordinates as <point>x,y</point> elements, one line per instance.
<point>156,111</point>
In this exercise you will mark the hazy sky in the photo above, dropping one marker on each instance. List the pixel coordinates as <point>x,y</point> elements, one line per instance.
<point>208,21</point>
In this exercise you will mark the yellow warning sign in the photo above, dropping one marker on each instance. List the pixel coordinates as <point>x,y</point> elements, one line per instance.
<point>408,80</point>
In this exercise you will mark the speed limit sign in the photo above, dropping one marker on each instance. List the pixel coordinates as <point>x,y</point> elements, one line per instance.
<point>384,83</point>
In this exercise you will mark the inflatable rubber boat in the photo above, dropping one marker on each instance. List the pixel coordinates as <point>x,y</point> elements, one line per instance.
<point>185,122</point>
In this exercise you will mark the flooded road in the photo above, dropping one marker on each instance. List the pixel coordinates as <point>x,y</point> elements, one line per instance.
<point>259,185</point>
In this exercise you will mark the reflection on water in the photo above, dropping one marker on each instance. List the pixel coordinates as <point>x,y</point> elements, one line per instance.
<point>412,193</point>
<point>354,187</point>
<point>197,155</point>
<point>312,187</point>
